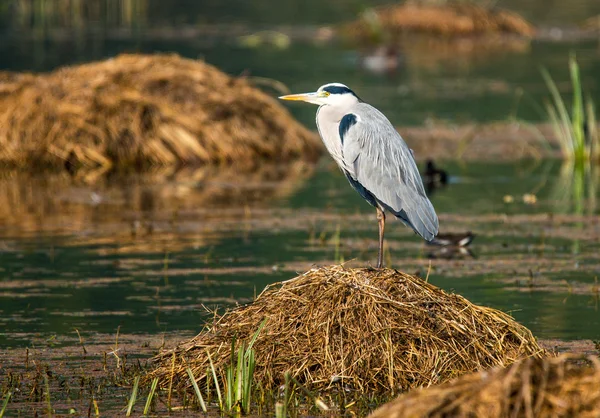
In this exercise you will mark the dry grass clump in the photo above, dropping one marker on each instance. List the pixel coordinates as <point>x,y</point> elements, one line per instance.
<point>450,19</point>
<point>142,110</point>
<point>371,331</point>
<point>563,386</point>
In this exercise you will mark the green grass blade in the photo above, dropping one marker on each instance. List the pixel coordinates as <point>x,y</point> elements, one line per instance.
<point>255,336</point>
<point>559,105</point>
<point>564,141</point>
<point>592,130</point>
<point>286,393</point>
<point>214,374</point>
<point>231,378</point>
<point>151,395</point>
<point>577,114</point>
<point>132,399</point>
<point>229,381</point>
<point>196,389</point>
<point>5,404</point>
<point>249,380</point>
<point>239,375</point>
<point>48,404</point>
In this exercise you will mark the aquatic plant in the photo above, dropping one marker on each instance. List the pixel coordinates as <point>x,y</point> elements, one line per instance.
<point>575,129</point>
<point>133,397</point>
<point>196,389</point>
<point>150,396</point>
<point>238,380</point>
<point>5,404</point>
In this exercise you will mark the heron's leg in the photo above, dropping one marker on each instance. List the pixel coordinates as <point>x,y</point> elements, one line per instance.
<point>381,221</point>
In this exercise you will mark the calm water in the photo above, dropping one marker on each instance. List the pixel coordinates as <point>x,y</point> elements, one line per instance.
<point>147,252</point>
<point>146,256</point>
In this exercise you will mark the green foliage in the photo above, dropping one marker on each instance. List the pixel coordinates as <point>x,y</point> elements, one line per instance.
<point>151,395</point>
<point>196,389</point>
<point>133,397</point>
<point>576,130</point>
<point>5,404</point>
<point>239,377</point>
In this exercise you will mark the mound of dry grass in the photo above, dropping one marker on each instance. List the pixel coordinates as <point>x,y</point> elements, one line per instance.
<point>563,386</point>
<point>143,110</point>
<point>370,331</point>
<point>452,19</point>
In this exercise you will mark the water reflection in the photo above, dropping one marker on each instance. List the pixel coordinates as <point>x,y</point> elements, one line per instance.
<point>61,203</point>
<point>146,252</point>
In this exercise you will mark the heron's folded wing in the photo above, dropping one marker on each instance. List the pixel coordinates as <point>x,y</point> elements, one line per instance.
<point>378,158</point>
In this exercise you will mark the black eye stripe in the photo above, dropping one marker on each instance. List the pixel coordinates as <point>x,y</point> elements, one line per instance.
<point>338,90</point>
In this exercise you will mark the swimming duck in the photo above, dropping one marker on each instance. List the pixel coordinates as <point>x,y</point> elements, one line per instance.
<point>462,239</point>
<point>434,178</point>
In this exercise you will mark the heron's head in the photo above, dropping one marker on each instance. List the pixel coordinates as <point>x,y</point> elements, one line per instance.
<point>332,94</point>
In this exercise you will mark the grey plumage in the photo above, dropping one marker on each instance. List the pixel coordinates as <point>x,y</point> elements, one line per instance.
<point>379,159</point>
<point>374,157</point>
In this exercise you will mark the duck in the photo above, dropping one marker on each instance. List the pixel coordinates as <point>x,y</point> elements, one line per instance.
<point>462,239</point>
<point>433,177</point>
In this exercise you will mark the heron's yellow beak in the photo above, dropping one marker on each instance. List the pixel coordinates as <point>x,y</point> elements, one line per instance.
<point>304,97</point>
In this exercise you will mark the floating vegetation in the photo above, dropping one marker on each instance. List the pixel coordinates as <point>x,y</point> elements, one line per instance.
<point>350,332</point>
<point>451,19</point>
<point>137,111</point>
<point>565,386</point>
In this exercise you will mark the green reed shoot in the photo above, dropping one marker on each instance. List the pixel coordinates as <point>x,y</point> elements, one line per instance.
<point>575,129</point>
<point>48,404</point>
<point>338,257</point>
<point>150,395</point>
<point>5,404</point>
<point>196,389</point>
<point>133,397</point>
<point>239,376</point>
<point>96,409</point>
<point>214,374</point>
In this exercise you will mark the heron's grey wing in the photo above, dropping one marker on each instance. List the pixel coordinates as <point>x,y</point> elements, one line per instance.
<point>378,159</point>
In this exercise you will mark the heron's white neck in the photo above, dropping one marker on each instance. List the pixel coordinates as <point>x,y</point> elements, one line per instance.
<point>328,123</point>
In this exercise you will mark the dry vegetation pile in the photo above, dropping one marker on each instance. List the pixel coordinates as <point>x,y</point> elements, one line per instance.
<point>371,331</point>
<point>563,386</point>
<point>143,110</point>
<point>452,19</point>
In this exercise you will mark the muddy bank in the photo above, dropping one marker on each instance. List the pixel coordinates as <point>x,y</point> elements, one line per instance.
<point>101,367</point>
<point>141,111</point>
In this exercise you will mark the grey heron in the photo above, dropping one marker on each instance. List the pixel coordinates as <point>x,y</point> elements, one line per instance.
<point>374,157</point>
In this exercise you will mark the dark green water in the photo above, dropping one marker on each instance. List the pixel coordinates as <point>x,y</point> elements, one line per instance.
<point>429,83</point>
<point>146,254</point>
<point>125,254</point>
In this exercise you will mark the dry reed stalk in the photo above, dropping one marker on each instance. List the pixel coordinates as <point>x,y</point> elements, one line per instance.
<point>368,331</point>
<point>565,386</point>
<point>144,110</point>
